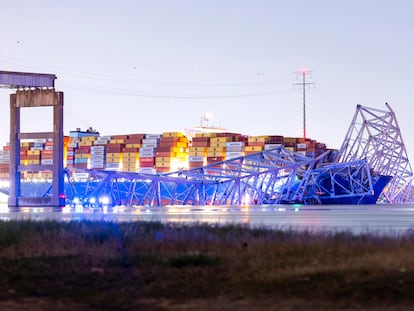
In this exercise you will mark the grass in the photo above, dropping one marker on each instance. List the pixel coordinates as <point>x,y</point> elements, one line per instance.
<point>154,266</point>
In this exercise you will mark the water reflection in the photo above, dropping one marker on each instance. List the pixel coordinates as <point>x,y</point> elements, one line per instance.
<point>357,219</point>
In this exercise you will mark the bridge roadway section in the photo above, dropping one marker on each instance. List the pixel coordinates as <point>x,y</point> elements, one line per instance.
<point>376,219</point>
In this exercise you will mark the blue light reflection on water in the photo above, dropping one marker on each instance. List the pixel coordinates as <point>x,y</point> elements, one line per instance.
<point>380,219</point>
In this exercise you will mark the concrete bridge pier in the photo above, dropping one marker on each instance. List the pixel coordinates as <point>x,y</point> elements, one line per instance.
<point>36,98</point>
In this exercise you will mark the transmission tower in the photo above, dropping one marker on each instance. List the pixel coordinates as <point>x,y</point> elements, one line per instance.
<point>303,85</point>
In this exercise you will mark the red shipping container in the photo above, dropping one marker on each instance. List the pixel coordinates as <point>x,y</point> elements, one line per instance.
<point>201,139</point>
<point>169,140</point>
<point>136,136</point>
<point>120,136</point>
<point>201,144</point>
<point>215,159</point>
<point>146,164</point>
<point>82,150</point>
<point>147,160</point>
<point>163,169</point>
<point>133,141</point>
<point>131,150</point>
<point>165,154</point>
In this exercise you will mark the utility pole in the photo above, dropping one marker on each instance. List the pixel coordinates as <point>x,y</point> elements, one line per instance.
<point>303,85</point>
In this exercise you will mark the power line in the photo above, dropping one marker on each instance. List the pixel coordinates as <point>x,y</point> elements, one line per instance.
<point>303,85</point>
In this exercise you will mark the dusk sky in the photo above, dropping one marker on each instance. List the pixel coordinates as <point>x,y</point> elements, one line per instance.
<point>156,66</point>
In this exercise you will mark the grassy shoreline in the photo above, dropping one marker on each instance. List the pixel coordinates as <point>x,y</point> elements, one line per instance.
<point>153,266</point>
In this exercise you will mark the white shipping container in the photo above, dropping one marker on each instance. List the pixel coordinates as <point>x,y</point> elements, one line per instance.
<point>46,161</point>
<point>152,136</point>
<point>150,141</point>
<point>105,138</point>
<point>112,168</point>
<point>48,147</point>
<point>149,146</point>
<point>38,145</point>
<point>98,152</point>
<point>97,148</point>
<point>70,153</point>
<point>146,149</point>
<point>196,159</point>
<point>301,146</point>
<point>112,165</point>
<point>100,142</point>
<point>234,149</point>
<point>271,146</point>
<point>97,165</point>
<point>73,145</point>
<point>97,160</point>
<point>231,155</point>
<point>301,153</point>
<point>36,148</point>
<point>235,144</point>
<point>39,140</point>
<point>69,162</point>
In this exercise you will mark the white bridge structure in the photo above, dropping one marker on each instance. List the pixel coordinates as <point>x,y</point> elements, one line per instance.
<point>372,156</point>
<point>371,165</point>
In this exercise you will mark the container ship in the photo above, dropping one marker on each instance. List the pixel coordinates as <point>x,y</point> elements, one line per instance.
<point>150,153</point>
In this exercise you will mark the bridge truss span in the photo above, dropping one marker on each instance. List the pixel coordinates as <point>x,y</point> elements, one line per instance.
<point>372,164</point>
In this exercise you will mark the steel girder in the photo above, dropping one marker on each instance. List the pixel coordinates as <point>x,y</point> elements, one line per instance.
<point>273,176</point>
<point>374,135</point>
<point>340,180</point>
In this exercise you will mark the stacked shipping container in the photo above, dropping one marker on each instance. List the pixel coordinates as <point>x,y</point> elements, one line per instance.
<point>151,153</point>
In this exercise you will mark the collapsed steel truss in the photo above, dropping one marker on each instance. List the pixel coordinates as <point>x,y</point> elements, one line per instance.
<point>273,176</point>
<point>373,147</point>
<point>374,135</point>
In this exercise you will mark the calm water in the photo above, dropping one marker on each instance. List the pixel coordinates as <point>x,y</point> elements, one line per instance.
<point>383,219</point>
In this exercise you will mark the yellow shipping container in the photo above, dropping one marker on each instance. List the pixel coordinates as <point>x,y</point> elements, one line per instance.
<point>257,139</point>
<point>180,155</point>
<point>130,169</point>
<point>220,139</point>
<point>197,153</point>
<point>206,135</point>
<point>190,149</point>
<point>46,175</point>
<point>162,164</point>
<point>33,152</point>
<point>113,155</point>
<point>253,148</point>
<point>172,134</point>
<point>85,143</point>
<point>130,160</point>
<point>133,145</point>
<point>116,141</point>
<point>130,165</point>
<point>162,159</point>
<point>130,154</point>
<point>216,154</point>
<point>82,156</point>
<point>33,161</point>
<point>216,149</point>
<point>4,175</point>
<point>88,138</point>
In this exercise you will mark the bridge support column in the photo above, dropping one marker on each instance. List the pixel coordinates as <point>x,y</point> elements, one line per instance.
<point>36,98</point>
